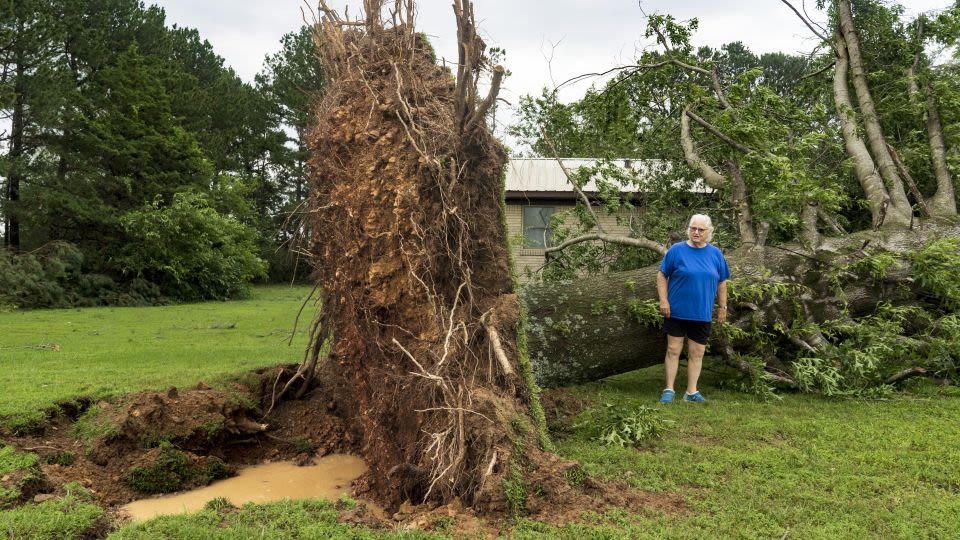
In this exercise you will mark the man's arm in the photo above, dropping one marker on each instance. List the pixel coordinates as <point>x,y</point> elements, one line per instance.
<point>662,293</point>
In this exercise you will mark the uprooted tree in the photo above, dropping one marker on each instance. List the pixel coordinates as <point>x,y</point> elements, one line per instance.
<point>407,234</point>
<point>812,306</point>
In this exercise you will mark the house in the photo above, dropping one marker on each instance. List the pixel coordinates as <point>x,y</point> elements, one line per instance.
<point>537,188</point>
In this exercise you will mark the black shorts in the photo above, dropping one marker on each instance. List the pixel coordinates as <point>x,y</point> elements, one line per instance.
<point>698,331</point>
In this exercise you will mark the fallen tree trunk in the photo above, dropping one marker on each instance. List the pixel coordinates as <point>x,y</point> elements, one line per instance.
<point>604,325</point>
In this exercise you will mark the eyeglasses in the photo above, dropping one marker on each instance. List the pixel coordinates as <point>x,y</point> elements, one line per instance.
<point>697,229</point>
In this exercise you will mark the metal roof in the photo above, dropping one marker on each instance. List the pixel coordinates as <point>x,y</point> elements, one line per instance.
<point>541,175</point>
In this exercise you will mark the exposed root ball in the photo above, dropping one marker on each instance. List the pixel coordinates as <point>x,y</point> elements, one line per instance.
<point>409,249</point>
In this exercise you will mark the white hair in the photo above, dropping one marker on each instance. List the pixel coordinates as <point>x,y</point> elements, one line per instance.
<point>707,222</point>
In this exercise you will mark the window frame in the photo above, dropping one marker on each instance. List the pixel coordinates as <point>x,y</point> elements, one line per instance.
<point>543,224</point>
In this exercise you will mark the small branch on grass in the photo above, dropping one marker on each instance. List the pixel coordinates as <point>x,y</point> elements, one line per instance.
<point>906,374</point>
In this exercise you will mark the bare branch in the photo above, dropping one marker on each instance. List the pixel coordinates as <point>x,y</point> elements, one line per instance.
<point>610,239</point>
<point>819,71</point>
<point>808,23</point>
<point>566,172</point>
<point>906,374</point>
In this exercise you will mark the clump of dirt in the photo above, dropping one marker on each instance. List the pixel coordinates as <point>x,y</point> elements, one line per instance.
<point>155,442</point>
<point>560,407</point>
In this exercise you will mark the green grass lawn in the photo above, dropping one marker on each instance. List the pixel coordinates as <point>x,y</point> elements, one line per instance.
<point>109,351</point>
<point>803,467</point>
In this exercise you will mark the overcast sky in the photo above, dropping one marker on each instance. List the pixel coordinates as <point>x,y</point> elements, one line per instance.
<point>547,42</point>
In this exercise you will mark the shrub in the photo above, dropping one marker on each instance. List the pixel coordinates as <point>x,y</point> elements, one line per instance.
<point>189,250</point>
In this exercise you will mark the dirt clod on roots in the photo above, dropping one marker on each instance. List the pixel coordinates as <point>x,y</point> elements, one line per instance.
<point>410,253</point>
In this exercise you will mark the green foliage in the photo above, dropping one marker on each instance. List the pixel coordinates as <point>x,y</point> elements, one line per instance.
<point>619,425</point>
<point>189,250</point>
<point>874,266</point>
<point>218,503</point>
<point>935,269</point>
<point>19,470</point>
<point>171,470</point>
<point>53,276</point>
<point>867,352</point>
<point>645,312</point>
<point>515,490</point>
<point>93,425</point>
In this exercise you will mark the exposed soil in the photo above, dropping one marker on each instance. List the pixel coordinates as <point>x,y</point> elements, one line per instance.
<point>557,490</point>
<point>560,407</point>
<point>207,426</point>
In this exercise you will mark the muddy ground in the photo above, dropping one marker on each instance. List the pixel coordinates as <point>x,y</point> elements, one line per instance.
<point>106,447</point>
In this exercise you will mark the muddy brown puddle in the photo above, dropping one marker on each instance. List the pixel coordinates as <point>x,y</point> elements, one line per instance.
<point>329,478</point>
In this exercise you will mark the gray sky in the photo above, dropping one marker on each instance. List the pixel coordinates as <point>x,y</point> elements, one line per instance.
<point>545,45</point>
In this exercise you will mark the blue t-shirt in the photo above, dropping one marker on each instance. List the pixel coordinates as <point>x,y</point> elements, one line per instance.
<point>693,275</point>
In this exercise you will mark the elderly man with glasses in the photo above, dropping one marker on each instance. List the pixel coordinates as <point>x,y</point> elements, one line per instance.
<point>692,276</point>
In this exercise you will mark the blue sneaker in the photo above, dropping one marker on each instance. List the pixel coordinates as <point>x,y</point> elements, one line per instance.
<point>666,396</point>
<point>695,397</point>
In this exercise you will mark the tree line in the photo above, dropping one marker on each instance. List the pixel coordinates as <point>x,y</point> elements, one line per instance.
<point>136,166</point>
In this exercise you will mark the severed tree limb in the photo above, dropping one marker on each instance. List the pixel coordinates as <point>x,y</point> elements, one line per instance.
<point>830,221</point>
<point>732,359</point>
<point>863,165</point>
<point>485,105</point>
<point>741,206</point>
<point>809,235</point>
<point>944,200</point>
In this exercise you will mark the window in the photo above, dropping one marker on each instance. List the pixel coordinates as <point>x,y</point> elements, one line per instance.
<point>536,226</point>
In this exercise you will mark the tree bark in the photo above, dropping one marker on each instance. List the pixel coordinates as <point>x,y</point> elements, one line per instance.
<point>899,211</point>
<point>943,202</point>
<point>863,164</point>
<point>741,206</point>
<point>710,175</point>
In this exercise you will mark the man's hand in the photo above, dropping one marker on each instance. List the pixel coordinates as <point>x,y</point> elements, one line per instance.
<point>665,308</point>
